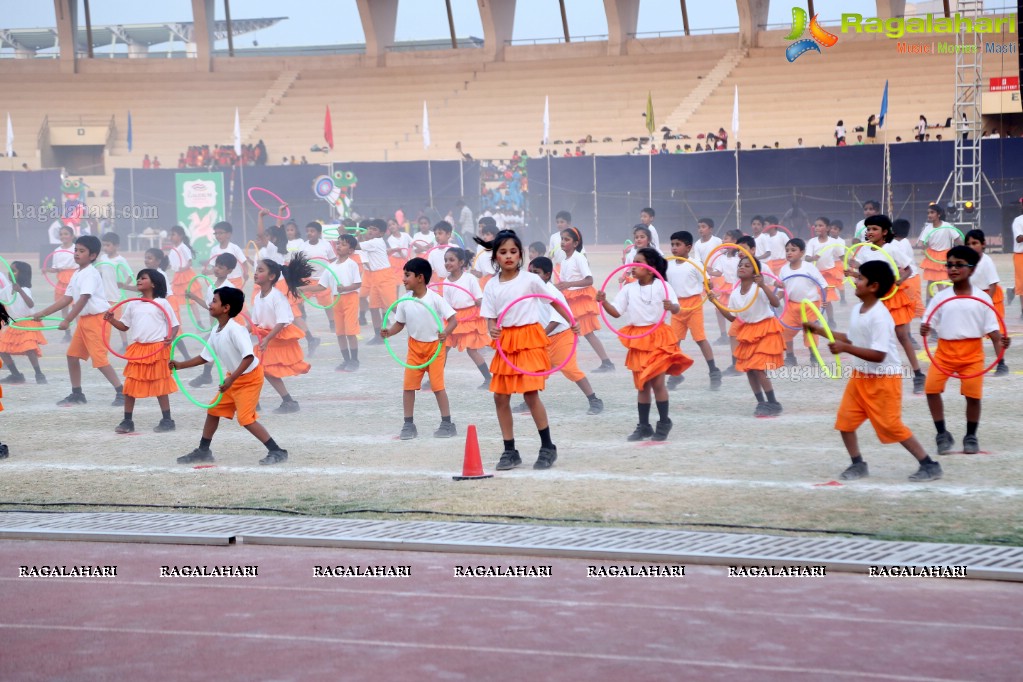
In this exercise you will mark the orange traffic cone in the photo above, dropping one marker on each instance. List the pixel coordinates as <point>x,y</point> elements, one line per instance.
<point>472,466</point>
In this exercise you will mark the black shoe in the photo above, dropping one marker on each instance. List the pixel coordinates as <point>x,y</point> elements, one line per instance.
<point>275,457</point>
<point>446,430</point>
<point>201,380</point>
<point>918,383</point>
<point>521,408</point>
<point>13,378</point>
<point>790,361</point>
<point>772,409</point>
<point>547,458</point>
<point>362,320</point>
<point>73,399</point>
<point>855,471</point>
<point>509,460</point>
<point>1001,370</point>
<point>41,378</point>
<point>971,445</point>
<point>662,430</point>
<point>760,410</point>
<point>408,431</point>
<point>1010,294</point>
<point>4,452</point>
<point>927,472</point>
<point>945,441</point>
<point>312,344</point>
<point>731,371</point>
<point>596,406</point>
<point>375,341</point>
<point>343,367</point>
<point>287,407</point>
<point>485,386</point>
<point>605,367</point>
<point>715,379</point>
<point>673,382</point>
<point>353,366</point>
<point>642,432</point>
<point>165,425</point>
<point>126,426</point>
<point>118,400</point>
<point>197,455</point>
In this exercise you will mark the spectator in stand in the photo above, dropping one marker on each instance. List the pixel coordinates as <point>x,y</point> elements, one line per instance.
<point>146,163</point>
<point>699,147</point>
<point>859,139</point>
<point>723,137</point>
<point>799,143</point>
<point>840,134</point>
<point>304,162</point>
<point>871,128</point>
<point>182,163</point>
<point>664,148</point>
<point>921,129</point>
<point>156,162</point>
<point>284,161</point>
<point>678,149</point>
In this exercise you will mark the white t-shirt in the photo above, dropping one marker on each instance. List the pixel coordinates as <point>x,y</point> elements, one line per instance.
<point>113,273</point>
<point>376,254</point>
<point>643,305</point>
<point>966,319</point>
<point>294,245</point>
<point>906,247</point>
<point>231,345</point>
<point>465,221</point>
<point>17,308</point>
<point>436,259</point>
<point>685,278</point>
<point>321,249</point>
<point>420,324</point>
<point>939,238</point>
<point>180,257</point>
<point>400,241</point>
<point>146,323</point>
<point>498,295</point>
<point>985,275</point>
<point>1017,231</point>
<point>828,253</point>
<point>459,299</point>
<point>865,254</point>
<point>417,239</point>
<point>728,265</point>
<point>776,245</point>
<point>213,287</point>
<point>763,242</point>
<point>63,259</point>
<point>874,329</point>
<point>758,312</point>
<point>483,263</point>
<point>799,288</point>
<point>271,252</point>
<point>89,281</point>
<point>270,310</point>
<point>701,249</point>
<point>53,231</point>
<point>338,275</point>
<point>574,268</point>
<point>549,314</point>
<point>232,249</point>
<point>654,239</point>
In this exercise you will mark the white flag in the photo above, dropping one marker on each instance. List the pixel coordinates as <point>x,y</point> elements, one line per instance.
<point>735,113</point>
<point>546,119</point>
<point>426,127</point>
<point>237,133</point>
<point>10,137</point>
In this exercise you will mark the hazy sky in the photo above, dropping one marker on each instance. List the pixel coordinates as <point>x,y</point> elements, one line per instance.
<point>320,23</point>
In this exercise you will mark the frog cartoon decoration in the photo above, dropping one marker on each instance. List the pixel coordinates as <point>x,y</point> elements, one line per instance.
<point>71,191</point>
<point>336,190</point>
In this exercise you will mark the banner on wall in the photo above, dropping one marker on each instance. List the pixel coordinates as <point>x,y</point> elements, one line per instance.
<point>200,198</point>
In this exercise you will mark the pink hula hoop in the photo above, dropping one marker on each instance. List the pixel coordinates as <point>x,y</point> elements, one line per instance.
<point>49,259</point>
<point>104,335</point>
<point>500,350</point>
<point>654,327</point>
<point>954,375</point>
<point>438,286</point>
<point>280,202</point>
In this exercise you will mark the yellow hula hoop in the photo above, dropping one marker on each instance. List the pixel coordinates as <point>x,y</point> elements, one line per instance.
<point>930,287</point>
<point>803,305</point>
<point>702,270</point>
<point>255,258</point>
<point>849,251</point>
<point>756,269</point>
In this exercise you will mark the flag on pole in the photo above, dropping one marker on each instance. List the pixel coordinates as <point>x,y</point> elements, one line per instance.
<point>10,137</point>
<point>884,107</point>
<point>237,133</point>
<point>426,127</point>
<point>546,119</point>
<point>735,114</point>
<point>328,129</point>
<point>129,131</point>
<point>650,124</point>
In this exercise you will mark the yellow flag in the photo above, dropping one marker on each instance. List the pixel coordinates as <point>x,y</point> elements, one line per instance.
<point>650,124</point>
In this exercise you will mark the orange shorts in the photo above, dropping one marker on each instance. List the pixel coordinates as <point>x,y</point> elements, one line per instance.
<point>238,282</point>
<point>792,317</point>
<point>88,340</point>
<point>559,347</point>
<point>689,318</point>
<point>63,280</point>
<point>875,397</point>
<point>241,398</point>
<point>834,276</point>
<point>776,264</point>
<point>965,356</point>
<point>346,315</point>
<point>418,353</point>
<point>1017,264</point>
<point>378,287</point>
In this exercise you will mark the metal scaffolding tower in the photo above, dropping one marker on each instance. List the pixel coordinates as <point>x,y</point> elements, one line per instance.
<point>967,174</point>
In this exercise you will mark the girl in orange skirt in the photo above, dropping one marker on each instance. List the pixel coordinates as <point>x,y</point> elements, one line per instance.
<point>657,353</point>
<point>482,267</point>
<point>937,238</point>
<point>4,319</point>
<point>985,276</point>
<point>577,285</point>
<point>760,344</point>
<point>471,332</point>
<point>826,255</point>
<point>18,296</point>
<point>277,349</point>
<point>878,231</point>
<point>911,282</point>
<point>180,258</point>
<point>63,263</point>
<point>524,342</point>
<point>147,373</point>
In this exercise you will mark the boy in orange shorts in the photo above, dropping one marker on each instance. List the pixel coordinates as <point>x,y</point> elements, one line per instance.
<point>343,280</point>
<point>422,344</point>
<point>874,390</point>
<point>230,343</point>
<point>377,282</point>
<point>87,296</point>
<point>688,282</point>
<point>961,327</point>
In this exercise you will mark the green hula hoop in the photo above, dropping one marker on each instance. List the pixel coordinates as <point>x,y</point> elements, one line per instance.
<point>941,227</point>
<point>10,273</point>
<point>940,282</point>
<point>331,232</point>
<point>119,268</point>
<point>357,229</point>
<point>337,296</point>
<point>387,340</point>
<point>803,305</point>
<point>188,303</point>
<point>44,328</point>
<point>216,361</point>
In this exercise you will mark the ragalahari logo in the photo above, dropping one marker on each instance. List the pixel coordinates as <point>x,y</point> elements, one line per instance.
<point>818,35</point>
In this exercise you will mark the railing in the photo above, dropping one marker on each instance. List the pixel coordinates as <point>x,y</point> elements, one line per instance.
<point>556,40</point>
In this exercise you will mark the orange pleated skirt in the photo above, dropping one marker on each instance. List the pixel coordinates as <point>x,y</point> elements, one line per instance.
<point>761,345</point>
<point>901,307</point>
<point>583,304</point>
<point>526,348</point>
<point>148,377</point>
<point>654,354</point>
<point>283,356</point>
<point>471,331</point>
<point>22,341</point>
<point>934,272</point>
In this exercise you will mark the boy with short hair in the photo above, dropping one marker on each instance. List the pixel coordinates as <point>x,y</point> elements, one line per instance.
<point>222,232</point>
<point>87,297</point>
<point>961,326</point>
<point>563,221</point>
<point>874,391</point>
<point>798,289</point>
<point>239,393</point>
<point>377,282</point>
<point>422,343</point>
<point>688,282</point>
<point>985,276</point>
<point>342,279</point>
<point>424,238</point>
<point>319,252</point>
<point>835,228</point>
<point>118,264</point>
<point>223,265</point>
<point>442,233</point>
<point>646,217</point>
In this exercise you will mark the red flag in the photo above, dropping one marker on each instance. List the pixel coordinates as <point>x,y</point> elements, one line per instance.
<point>328,130</point>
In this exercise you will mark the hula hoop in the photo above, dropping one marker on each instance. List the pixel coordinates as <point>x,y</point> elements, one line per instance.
<point>834,245</point>
<point>781,227</point>
<point>44,328</point>
<point>191,312</point>
<point>118,268</point>
<point>930,287</point>
<point>756,269</point>
<point>440,285</point>
<point>803,305</point>
<point>798,274</point>
<point>255,258</point>
<point>280,202</point>
<point>849,252</point>
<point>356,229</point>
<point>10,272</point>
<point>184,264</point>
<point>216,362</point>
<point>785,299</point>
<point>412,245</point>
<point>105,337</point>
<point>956,375</point>
<point>337,297</point>
<point>461,242</point>
<point>331,232</point>
<point>667,295</point>
<point>504,356</point>
<point>702,270</point>
<point>944,226</point>
<point>387,341</point>
<point>48,259</point>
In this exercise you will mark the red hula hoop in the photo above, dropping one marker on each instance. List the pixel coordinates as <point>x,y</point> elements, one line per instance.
<point>782,228</point>
<point>571,323</point>
<point>667,295</point>
<point>280,202</point>
<point>439,285</point>
<point>953,375</point>
<point>48,259</point>
<point>131,300</point>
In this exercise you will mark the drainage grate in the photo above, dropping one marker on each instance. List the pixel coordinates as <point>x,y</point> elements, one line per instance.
<point>609,544</point>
